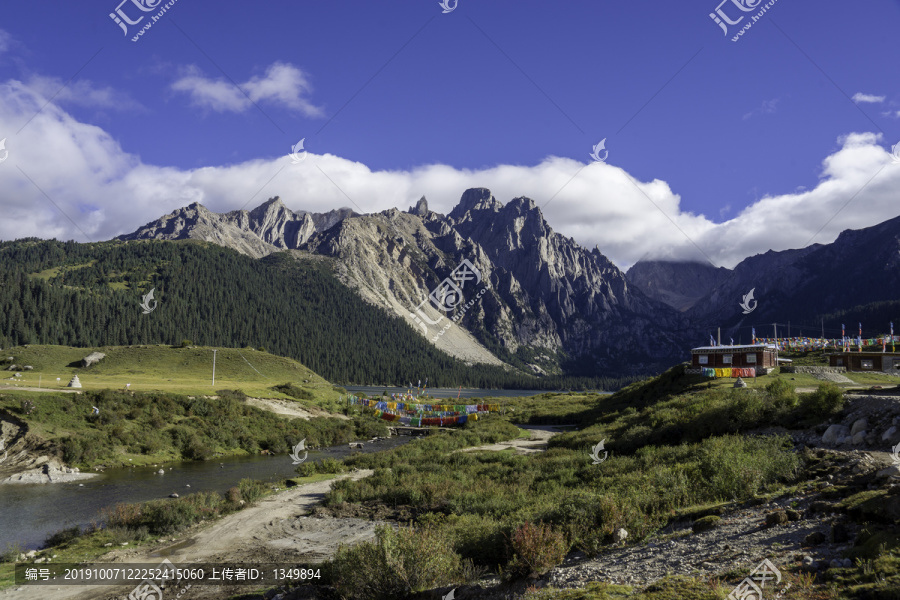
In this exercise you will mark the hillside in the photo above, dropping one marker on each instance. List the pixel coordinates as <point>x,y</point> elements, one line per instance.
<point>289,303</point>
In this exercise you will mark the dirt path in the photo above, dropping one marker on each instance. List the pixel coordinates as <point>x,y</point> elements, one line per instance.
<point>537,442</point>
<point>275,530</point>
<point>290,409</point>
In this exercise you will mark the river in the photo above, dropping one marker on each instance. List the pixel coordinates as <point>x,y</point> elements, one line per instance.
<point>29,512</point>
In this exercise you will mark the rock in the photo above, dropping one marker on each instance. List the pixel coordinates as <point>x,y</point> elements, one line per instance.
<point>161,471</point>
<point>173,495</point>
<point>888,472</point>
<point>859,437</point>
<point>620,535</point>
<point>75,383</point>
<point>28,368</point>
<point>12,368</point>
<point>107,544</point>
<point>776,518</point>
<point>839,533</point>
<point>793,515</point>
<point>847,563</point>
<point>833,433</point>
<point>705,523</point>
<point>836,563</point>
<point>859,425</point>
<point>124,544</point>
<point>740,383</point>
<point>10,359</point>
<point>814,539</point>
<point>888,435</point>
<point>92,359</point>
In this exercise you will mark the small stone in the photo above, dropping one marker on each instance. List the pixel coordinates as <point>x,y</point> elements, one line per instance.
<point>173,495</point>
<point>31,554</point>
<point>38,561</point>
<point>836,563</point>
<point>620,535</point>
<point>161,471</point>
<point>793,515</point>
<point>124,544</point>
<point>107,544</point>
<point>847,563</point>
<point>887,472</point>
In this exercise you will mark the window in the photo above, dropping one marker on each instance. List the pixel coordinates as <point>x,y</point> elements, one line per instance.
<point>866,364</point>
<point>751,358</point>
<point>703,359</point>
<point>726,359</point>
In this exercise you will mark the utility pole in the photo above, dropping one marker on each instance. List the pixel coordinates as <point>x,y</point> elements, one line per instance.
<point>214,367</point>
<point>823,328</point>
<point>789,329</point>
<point>720,336</point>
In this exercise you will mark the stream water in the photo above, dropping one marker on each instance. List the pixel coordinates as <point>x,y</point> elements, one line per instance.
<point>29,512</point>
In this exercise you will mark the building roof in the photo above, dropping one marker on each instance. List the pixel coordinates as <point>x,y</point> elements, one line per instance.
<point>858,353</point>
<point>746,347</point>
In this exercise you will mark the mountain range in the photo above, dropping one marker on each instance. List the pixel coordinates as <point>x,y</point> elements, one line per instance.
<point>537,299</point>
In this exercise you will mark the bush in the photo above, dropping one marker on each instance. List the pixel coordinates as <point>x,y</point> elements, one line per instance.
<point>62,537</point>
<point>781,395</point>
<point>396,564</point>
<point>186,343</point>
<point>251,490</point>
<point>11,554</point>
<point>825,401</point>
<point>705,523</point>
<point>737,468</point>
<point>233,495</point>
<point>536,549</point>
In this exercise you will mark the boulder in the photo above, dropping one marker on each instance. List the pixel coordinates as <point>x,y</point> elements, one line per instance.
<point>859,437</point>
<point>620,535</point>
<point>705,523</point>
<point>92,359</point>
<point>814,539</point>
<point>792,514</point>
<point>12,368</point>
<point>859,425</point>
<point>776,518</point>
<point>888,472</point>
<point>28,368</point>
<point>888,435</point>
<point>833,433</point>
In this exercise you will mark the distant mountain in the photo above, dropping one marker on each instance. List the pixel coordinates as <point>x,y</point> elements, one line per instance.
<point>547,306</point>
<point>678,284</point>
<point>802,286</point>
<point>267,228</point>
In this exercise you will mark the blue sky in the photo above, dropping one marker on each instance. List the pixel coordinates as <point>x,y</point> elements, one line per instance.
<point>712,144</point>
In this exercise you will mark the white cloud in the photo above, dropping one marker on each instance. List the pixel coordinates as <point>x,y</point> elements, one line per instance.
<point>282,84</point>
<point>82,92</point>
<point>5,40</point>
<point>860,98</point>
<point>767,107</point>
<point>107,191</point>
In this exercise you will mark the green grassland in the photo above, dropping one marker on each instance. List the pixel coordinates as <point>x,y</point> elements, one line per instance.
<point>167,369</point>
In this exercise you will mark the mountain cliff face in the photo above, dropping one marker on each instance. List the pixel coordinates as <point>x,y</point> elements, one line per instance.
<point>678,284</point>
<point>257,233</point>
<point>543,302</point>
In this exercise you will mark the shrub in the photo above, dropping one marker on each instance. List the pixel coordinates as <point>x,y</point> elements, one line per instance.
<point>251,490</point>
<point>536,549</point>
<point>736,468</point>
<point>826,400</point>
<point>396,564</point>
<point>11,554</point>
<point>233,495</point>
<point>186,343</point>
<point>781,394</point>
<point>705,523</point>
<point>122,515</point>
<point>62,537</point>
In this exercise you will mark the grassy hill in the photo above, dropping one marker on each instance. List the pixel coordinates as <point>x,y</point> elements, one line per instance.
<point>165,368</point>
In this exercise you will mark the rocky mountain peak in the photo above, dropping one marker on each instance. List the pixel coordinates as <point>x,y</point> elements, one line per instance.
<point>420,209</point>
<point>475,200</point>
